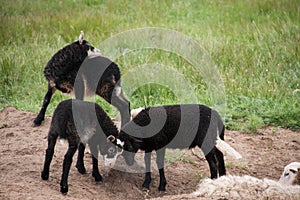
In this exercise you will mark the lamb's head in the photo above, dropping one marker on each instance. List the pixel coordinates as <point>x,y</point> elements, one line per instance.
<point>291,174</point>
<point>130,146</point>
<point>110,151</point>
<point>86,46</point>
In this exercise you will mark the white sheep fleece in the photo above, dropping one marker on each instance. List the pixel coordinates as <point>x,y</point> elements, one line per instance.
<point>245,187</point>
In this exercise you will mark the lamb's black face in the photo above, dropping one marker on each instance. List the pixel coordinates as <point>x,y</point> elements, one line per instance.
<point>110,153</point>
<point>129,157</point>
<point>130,147</point>
<point>108,149</point>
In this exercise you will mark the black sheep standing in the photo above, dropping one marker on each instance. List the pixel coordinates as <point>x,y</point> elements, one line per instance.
<point>78,121</point>
<point>174,126</point>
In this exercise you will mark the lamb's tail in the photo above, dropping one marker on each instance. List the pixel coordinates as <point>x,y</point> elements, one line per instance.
<point>227,149</point>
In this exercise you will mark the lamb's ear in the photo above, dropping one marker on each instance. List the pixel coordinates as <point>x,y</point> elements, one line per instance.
<point>111,138</point>
<point>80,39</point>
<point>293,171</point>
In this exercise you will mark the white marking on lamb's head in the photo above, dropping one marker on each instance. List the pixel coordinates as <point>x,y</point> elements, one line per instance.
<point>291,173</point>
<point>97,51</point>
<point>120,143</point>
<point>109,162</point>
<point>80,39</point>
<point>93,51</point>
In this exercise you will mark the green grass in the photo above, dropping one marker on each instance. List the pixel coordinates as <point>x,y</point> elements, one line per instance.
<point>254,44</point>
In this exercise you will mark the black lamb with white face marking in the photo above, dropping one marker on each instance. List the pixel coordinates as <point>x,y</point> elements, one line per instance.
<point>78,121</point>
<point>79,68</point>
<point>175,126</point>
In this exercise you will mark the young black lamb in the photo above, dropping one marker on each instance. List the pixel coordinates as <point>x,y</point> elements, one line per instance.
<point>78,121</point>
<point>80,68</point>
<point>175,126</point>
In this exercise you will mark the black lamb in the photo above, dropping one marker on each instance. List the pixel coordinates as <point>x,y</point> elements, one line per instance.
<point>79,68</point>
<point>78,121</point>
<point>174,126</point>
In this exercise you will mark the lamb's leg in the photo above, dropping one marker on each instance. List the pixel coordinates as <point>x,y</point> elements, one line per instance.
<point>96,174</point>
<point>221,163</point>
<point>66,167</point>
<point>41,116</point>
<point>211,158</point>
<point>160,159</point>
<point>147,181</point>
<point>79,87</point>
<point>80,162</point>
<point>49,155</point>
<point>111,90</point>
<point>121,103</point>
<point>79,94</point>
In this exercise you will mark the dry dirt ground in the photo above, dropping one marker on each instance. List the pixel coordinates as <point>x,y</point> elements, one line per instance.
<point>22,151</point>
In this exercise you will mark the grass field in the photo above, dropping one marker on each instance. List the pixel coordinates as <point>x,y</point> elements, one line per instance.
<point>255,46</point>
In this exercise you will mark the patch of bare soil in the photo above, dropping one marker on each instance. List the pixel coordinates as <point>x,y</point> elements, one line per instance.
<point>23,147</point>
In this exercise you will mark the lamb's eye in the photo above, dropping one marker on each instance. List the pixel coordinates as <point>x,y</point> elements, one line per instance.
<point>111,150</point>
<point>286,174</point>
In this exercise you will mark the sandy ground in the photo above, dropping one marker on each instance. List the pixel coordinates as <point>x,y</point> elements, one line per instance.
<point>22,151</point>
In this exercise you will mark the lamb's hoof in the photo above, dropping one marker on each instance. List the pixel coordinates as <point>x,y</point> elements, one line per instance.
<point>64,189</point>
<point>162,192</point>
<point>35,124</point>
<point>146,186</point>
<point>45,176</point>
<point>98,178</point>
<point>81,170</point>
<point>99,182</point>
<point>161,189</point>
